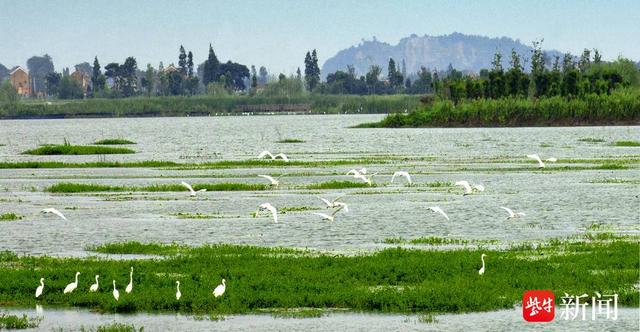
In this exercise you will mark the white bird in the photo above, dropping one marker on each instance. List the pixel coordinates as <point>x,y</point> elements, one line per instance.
<point>178,294</point>
<point>54,211</point>
<point>357,171</point>
<point>266,153</point>
<point>327,217</point>
<point>438,210</point>
<point>540,163</point>
<point>335,203</point>
<point>193,192</point>
<point>512,214</point>
<point>274,182</point>
<point>130,285</point>
<point>116,294</point>
<point>468,189</point>
<point>94,287</point>
<point>220,289</point>
<point>72,286</point>
<point>281,156</point>
<point>270,208</point>
<point>363,170</point>
<point>366,179</point>
<point>40,288</point>
<point>481,271</point>
<point>402,173</point>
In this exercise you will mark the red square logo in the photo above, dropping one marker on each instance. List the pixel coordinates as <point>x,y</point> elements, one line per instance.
<point>538,306</point>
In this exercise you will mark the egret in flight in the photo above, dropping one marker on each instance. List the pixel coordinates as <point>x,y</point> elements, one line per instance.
<point>270,208</point>
<point>335,203</point>
<point>72,286</point>
<point>481,271</point>
<point>40,288</point>
<point>220,289</point>
<point>116,294</point>
<point>94,287</point>
<point>540,163</point>
<point>192,192</point>
<point>468,190</point>
<point>512,214</point>
<point>437,209</point>
<point>281,156</point>
<point>366,179</point>
<point>327,217</point>
<point>355,172</point>
<point>130,285</point>
<point>402,173</point>
<point>274,182</point>
<point>54,211</point>
<point>266,153</point>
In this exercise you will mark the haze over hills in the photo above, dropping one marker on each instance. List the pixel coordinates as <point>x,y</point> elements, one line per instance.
<point>463,52</point>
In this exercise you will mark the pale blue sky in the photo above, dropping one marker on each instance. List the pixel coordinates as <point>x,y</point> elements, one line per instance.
<point>278,33</point>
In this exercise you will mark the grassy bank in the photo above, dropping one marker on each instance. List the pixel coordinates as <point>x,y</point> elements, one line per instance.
<point>47,150</point>
<point>621,107</point>
<point>392,280</point>
<point>203,105</point>
<point>66,187</point>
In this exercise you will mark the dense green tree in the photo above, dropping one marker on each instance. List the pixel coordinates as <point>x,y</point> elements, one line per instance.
<point>263,77</point>
<point>423,83</point>
<point>311,70</point>
<point>210,67</point>
<point>148,81</point>
<point>182,61</point>
<point>39,67</point>
<point>98,80</point>
<point>585,61</point>
<point>235,75</point>
<point>52,83</point>
<point>8,95</point>
<point>372,81</point>
<point>496,78</point>
<point>254,78</point>
<point>538,70</point>
<point>70,88</point>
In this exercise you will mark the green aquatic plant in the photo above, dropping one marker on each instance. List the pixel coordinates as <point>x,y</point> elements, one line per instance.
<point>76,150</point>
<point>591,140</point>
<point>66,187</point>
<point>114,141</point>
<point>113,327</point>
<point>334,184</point>
<point>291,140</point>
<point>137,248</point>
<point>298,313</point>
<point>10,217</point>
<point>626,143</point>
<point>13,322</point>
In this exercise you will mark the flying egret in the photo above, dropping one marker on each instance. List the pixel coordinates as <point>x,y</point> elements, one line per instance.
<point>193,192</point>
<point>366,179</point>
<point>335,203</point>
<point>438,210</point>
<point>40,288</point>
<point>178,294</point>
<point>72,286</point>
<point>54,211</point>
<point>327,217</point>
<point>266,153</point>
<point>220,289</point>
<point>481,271</point>
<point>94,287</point>
<point>402,173</point>
<point>270,208</point>
<point>540,163</point>
<point>281,156</point>
<point>468,190</point>
<point>512,214</point>
<point>130,285</point>
<point>116,294</point>
<point>274,182</point>
<point>354,172</point>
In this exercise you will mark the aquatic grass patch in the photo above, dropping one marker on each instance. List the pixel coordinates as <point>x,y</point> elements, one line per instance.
<point>427,319</point>
<point>615,181</point>
<point>138,248</point>
<point>591,140</point>
<point>66,187</point>
<point>98,164</point>
<point>10,217</point>
<point>287,209</point>
<point>626,143</point>
<point>14,322</point>
<point>114,141</point>
<point>290,140</point>
<point>113,327</point>
<point>48,150</point>
<point>298,313</point>
<point>334,184</point>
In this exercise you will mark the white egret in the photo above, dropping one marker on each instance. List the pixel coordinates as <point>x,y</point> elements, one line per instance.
<point>116,294</point>
<point>335,203</point>
<point>354,172</point>
<point>220,289</point>
<point>270,208</point>
<point>274,182</point>
<point>438,210</point>
<point>468,190</point>
<point>94,287</point>
<point>402,173</point>
<point>481,271</point>
<point>72,286</point>
<point>540,163</point>
<point>281,156</point>
<point>130,285</point>
<point>266,153</point>
<point>366,179</point>
<point>192,192</point>
<point>512,214</point>
<point>54,211</point>
<point>178,294</point>
<point>40,288</point>
<point>327,217</point>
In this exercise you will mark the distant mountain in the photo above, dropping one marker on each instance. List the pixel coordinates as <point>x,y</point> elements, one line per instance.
<point>463,52</point>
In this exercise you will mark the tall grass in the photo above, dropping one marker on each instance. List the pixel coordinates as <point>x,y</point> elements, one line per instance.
<point>76,150</point>
<point>66,187</point>
<point>13,322</point>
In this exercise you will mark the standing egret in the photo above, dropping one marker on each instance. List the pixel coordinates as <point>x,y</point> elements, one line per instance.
<point>94,287</point>
<point>540,163</point>
<point>468,190</point>
<point>274,182</point>
<point>220,289</point>
<point>116,294</point>
<point>192,192</point>
<point>402,173</point>
<point>512,214</point>
<point>178,294</point>
<point>281,156</point>
<point>54,211</point>
<point>266,153</point>
<point>72,286</point>
<point>40,288</point>
<point>130,285</point>
<point>270,208</point>
<point>438,210</point>
<point>481,271</point>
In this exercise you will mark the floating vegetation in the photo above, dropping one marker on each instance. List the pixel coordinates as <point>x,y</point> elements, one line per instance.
<point>286,209</point>
<point>186,215</point>
<point>137,248</point>
<point>114,141</point>
<point>113,327</point>
<point>437,241</point>
<point>591,140</point>
<point>615,181</point>
<point>334,184</point>
<point>291,140</point>
<point>13,322</point>
<point>427,319</point>
<point>626,143</point>
<point>10,217</point>
<point>298,313</point>
<point>76,150</point>
<point>66,187</point>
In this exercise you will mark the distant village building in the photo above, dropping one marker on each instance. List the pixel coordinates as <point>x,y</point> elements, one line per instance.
<point>19,79</point>
<point>83,78</point>
<point>170,69</point>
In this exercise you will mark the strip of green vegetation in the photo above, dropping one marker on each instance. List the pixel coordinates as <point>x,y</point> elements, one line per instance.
<point>137,248</point>
<point>186,215</point>
<point>291,140</point>
<point>436,241</point>
<point>13,322</point>
<point>113,327</point>
<point>621,107</point>
<point>391,280</point>
<point>66,187</point>
<point>298,313</point>
<point>48,150</point>
<point>626,143</point>
<point>591,140</point>
<point>114,141</point>
<point>334,184</point>
<point>615,181</point>
<point>287,209</point>
<point>9,217</point>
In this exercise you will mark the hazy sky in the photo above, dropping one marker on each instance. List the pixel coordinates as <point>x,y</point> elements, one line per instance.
<point>278,33</point>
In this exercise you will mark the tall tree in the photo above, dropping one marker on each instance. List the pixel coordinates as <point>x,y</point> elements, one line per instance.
<point>538,70</point>
<point>97,79</point>
<point>311,70</point>
<point>264,76</point>
<point>496,77</point>
<point>182,61</point>
<point>210,67</point>
<point>148,81</point>
<point>585,61</point>
<point>190,64</point>
<point>39,67</point>
<point>372,81</point>
<point>254,78</point>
